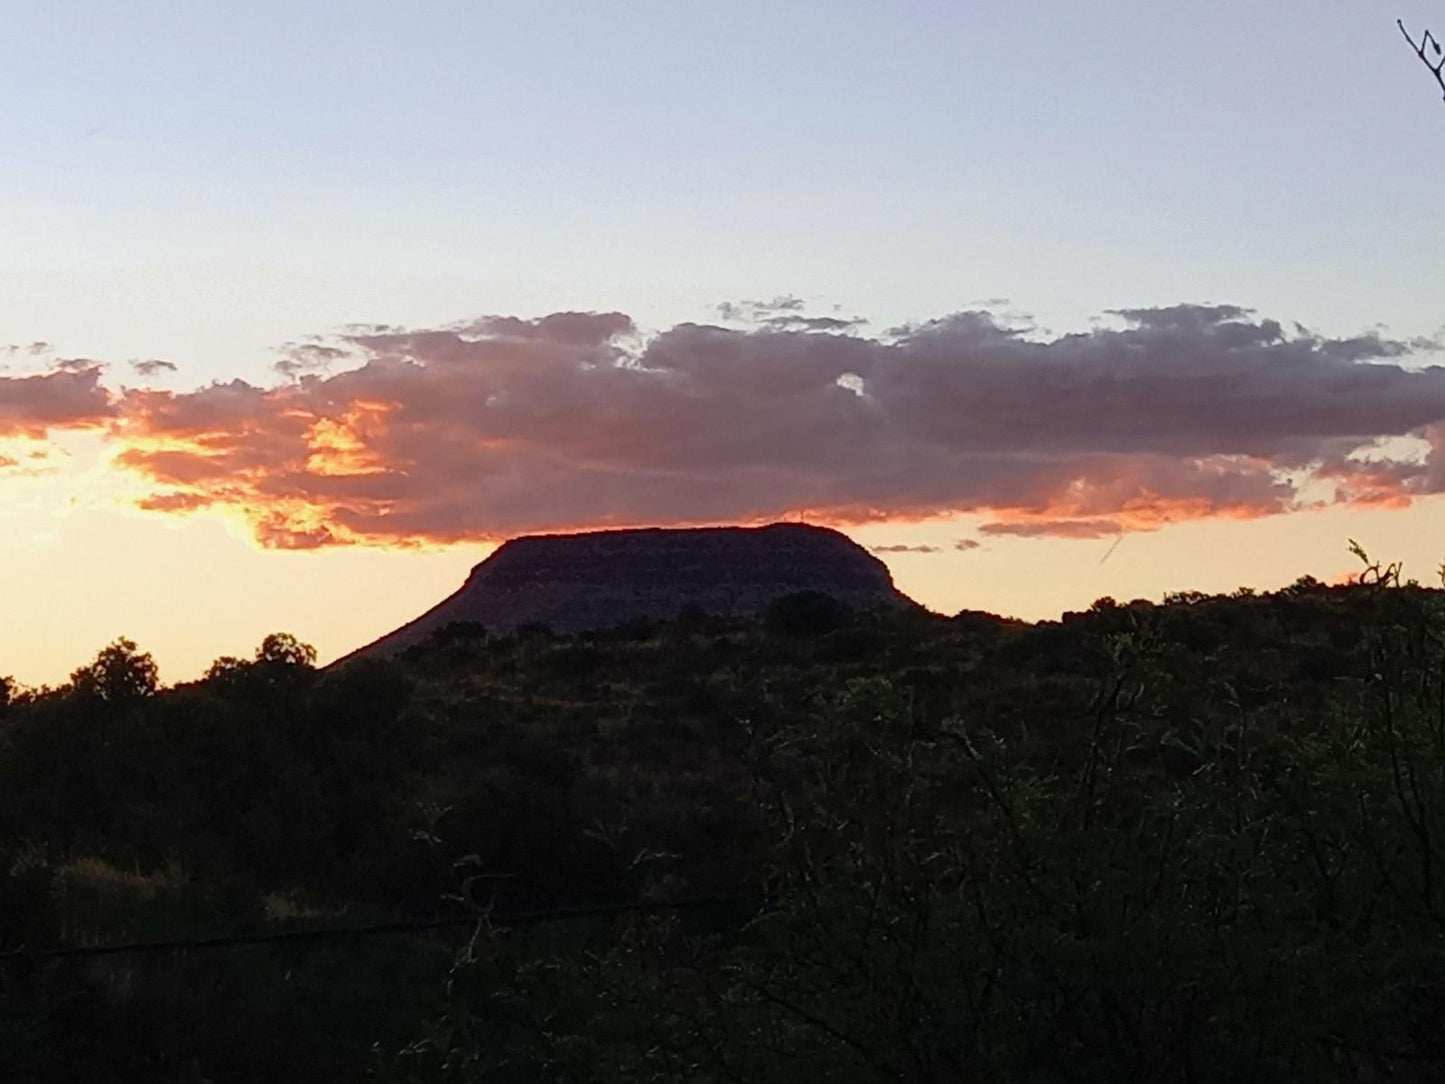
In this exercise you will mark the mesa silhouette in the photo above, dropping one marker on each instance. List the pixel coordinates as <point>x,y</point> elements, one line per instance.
<point>601,579</point>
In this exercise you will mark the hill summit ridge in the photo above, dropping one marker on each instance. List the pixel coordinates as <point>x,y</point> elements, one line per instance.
<point>600,579</point>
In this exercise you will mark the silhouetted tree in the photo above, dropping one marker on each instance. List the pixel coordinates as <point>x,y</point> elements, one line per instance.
<point>805,615</point>
<point>120,673</point>
<point>283,648</point>
<point>224,667</point>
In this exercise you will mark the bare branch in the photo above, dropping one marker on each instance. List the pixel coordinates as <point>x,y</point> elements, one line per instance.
<point>1429,41</point>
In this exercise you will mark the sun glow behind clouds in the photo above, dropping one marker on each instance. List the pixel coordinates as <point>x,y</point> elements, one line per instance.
<point>339,447</point>
<point>221,459</point>
<point>81,563</point>
<point>79,566</point>
<point>1160,424</point>
<point>498,426</point>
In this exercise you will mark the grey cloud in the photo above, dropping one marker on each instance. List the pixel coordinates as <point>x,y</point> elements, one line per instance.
<point>503,425</point>
<point>298,359</point>
<point>900,547</point>
<point>79,365</point>
<point>565,328</point>
<point>33,349</point>
<point>152,366</point>
<point>1370,346</point>
<point>67,398</point>
<point>1192,318</point>
<point>752,312</point>
<point>792,322</point>
<point>1057,528</point>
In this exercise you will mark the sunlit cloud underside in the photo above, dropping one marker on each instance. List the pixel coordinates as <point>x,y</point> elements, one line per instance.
<point>499,426</point>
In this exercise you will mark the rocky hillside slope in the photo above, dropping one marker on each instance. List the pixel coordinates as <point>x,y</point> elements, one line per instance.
<point>600,579</point>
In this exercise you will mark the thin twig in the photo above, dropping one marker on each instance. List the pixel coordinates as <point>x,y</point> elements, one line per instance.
<point>1427,40</point>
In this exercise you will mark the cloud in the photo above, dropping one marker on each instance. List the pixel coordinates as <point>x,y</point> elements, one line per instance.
<point>903,548</point>
<point>784,313</point>
<point>153,367</point>
<point>79,365</point>
<point>503,425</point>
<point>30,458</point>
<point>796,322</point>
<point>298,359</point>
<point>30,350</point>
<point>752,312</point>
<point>1056,528</point>
<point>965,544</point>
<point>71,397</point>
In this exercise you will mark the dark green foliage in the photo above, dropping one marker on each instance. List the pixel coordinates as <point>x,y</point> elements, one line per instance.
<point>281,649</point>
<point>119,675</point>
<point>805,615</point>
<point>1203,841</point>
<point>1176,886</point>
<point>458,632</point>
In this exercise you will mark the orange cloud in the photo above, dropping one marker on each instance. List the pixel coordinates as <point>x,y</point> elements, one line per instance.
<point>340,446</point>
<point>504,426</point>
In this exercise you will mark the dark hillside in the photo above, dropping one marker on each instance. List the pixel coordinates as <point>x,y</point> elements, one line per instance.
<point>1193,841</point>
<point>601,579</point>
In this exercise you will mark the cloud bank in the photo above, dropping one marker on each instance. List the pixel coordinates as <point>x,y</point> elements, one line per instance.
<point>69,397</point>
<point>503,426</point>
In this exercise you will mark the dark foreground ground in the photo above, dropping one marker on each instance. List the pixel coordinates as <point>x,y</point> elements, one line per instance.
<point>1198,841</point>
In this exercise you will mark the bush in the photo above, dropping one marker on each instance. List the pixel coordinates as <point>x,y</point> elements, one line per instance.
<point>805,615</point>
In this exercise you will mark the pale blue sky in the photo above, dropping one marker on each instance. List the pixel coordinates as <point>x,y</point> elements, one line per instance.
<point>200,182</point>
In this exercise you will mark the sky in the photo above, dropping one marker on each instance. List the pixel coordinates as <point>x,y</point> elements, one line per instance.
<point>304,307</point>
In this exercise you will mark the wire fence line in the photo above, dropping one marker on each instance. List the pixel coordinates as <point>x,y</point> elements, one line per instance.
<point>380,929</point>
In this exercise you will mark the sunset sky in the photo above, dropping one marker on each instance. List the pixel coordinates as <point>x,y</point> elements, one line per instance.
<point>303,307</point>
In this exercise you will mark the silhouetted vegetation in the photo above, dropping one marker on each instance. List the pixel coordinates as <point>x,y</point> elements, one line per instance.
<point>1197,841</point>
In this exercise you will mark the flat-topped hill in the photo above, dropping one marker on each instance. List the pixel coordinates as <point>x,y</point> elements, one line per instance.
<point>599,579</point>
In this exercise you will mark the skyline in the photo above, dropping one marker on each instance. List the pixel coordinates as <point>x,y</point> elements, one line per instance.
<point>990,303</point>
